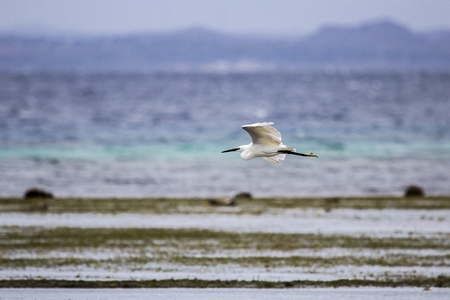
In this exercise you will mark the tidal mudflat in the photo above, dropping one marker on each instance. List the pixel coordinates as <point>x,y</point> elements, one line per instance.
<point>263,243</point>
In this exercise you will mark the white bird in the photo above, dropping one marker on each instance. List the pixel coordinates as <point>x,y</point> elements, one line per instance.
<point>266,143</point>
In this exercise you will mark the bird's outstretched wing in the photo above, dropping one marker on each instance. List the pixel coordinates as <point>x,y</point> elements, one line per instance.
<point>263,133</point>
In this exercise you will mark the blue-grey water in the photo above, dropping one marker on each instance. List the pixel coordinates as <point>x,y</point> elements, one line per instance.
<point>137,135</point>
<point>362,293</point>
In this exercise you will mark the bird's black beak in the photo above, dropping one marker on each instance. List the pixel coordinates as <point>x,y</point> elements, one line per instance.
<point>231,150</point>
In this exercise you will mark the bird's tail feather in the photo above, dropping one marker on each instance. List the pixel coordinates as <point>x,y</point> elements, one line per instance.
<point>275,159</point>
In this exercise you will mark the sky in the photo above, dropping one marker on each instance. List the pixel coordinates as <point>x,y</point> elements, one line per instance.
<point>266,17</point>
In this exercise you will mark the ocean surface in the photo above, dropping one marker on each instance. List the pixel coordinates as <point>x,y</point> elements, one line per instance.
<point>146,135</point>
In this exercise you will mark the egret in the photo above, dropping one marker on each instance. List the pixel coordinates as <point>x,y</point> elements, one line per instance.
<point>266,143</point>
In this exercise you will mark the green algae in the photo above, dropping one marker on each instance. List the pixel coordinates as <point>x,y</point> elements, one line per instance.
<point>268,262</point>
<point>39,238</point>
<point>136,248</point>
<point>418,281</point>
<point>200,205</point>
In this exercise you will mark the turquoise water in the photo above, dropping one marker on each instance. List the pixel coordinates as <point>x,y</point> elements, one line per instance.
<point>334,150</point>
<point>161,134</point>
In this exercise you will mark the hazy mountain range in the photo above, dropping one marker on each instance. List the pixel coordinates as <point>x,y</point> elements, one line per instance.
<point>377,45</point>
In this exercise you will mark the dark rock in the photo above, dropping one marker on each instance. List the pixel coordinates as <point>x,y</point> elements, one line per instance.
<point>242,195</point>
<point>37,193</point>
<point>414,191</point>
<point>230,201</point>
<point>222,201</point>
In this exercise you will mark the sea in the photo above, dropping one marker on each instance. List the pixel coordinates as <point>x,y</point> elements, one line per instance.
<point>125,134</point>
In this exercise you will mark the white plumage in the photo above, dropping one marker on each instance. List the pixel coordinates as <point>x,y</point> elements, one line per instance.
<point>266,143</point>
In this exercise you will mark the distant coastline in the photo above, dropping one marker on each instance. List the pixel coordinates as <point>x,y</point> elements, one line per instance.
<point>378,45</point>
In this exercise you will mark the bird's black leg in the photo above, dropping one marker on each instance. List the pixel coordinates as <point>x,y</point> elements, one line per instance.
<point>292,152</point>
